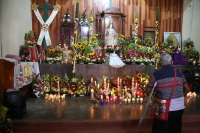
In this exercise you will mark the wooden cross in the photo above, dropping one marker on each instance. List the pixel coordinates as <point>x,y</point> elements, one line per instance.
<point>46,7</point>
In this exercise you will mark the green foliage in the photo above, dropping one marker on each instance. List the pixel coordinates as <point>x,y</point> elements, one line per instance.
<point>157,14</point>
<point>188,42</point>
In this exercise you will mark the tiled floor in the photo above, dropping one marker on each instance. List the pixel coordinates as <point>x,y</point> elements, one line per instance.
<point>81,108</point>
<point>80,111</point>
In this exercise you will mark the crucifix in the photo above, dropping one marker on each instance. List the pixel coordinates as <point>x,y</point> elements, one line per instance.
<point>44,33</point>
<point>46,7</point>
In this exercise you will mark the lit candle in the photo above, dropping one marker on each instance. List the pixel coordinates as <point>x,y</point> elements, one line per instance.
<point>133,99</point>
<point>50,97</point>
<point>46,96</point>
<point>141,100</point>
<point>194,94</point>
<point>98,86</point>
<point>125,100</point>
<point>138,100</point>
<point>188,94</point>
<point>129,100</point>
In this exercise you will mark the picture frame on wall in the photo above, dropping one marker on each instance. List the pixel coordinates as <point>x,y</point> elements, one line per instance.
<point>176,36</point>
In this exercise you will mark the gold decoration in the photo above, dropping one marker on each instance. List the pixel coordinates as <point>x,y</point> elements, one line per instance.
<point>34,6</point>
<point>45,27</point>
<point>57,7</point>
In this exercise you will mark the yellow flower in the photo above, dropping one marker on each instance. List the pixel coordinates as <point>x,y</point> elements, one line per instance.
<point>81,47</point>
<point>95,42</point>
<point>79,43</point>
<point>150,50</point>
<point>55,78</point>
<point>47,76</point>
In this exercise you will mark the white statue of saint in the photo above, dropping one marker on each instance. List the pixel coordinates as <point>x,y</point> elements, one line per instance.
<point>111,36</point>
<point>111,39</point>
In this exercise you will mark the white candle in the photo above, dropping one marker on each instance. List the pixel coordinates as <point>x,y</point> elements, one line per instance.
<point>194,94</point>
<point>141,100</point>
<point>108,86</point>
<point>92,93</point>
<point>129,100</point>
<point>125,100</point>
<point>188,94</point>
<point>46,96</point>
<point>58,83</point>
<point>138,100</point>
<point>98,86</point>
<point>91,79</point>
<point>133,100</point>
<point>118,82</point>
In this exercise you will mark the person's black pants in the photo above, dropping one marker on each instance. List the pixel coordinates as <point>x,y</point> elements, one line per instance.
<point>172,125</point>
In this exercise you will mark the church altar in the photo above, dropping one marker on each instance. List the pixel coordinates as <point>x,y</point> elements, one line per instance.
<point>97,70</point>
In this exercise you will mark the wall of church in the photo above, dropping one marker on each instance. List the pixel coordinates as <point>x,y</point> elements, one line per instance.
<point>170,15</point>
<point>191,19</point>
<point>16,18</point>
<point>16,21</point>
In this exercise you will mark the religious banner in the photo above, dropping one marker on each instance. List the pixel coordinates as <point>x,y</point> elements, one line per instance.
<point>44,33</point>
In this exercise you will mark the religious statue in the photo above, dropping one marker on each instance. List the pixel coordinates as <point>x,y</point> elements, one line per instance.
<point>111,36</point>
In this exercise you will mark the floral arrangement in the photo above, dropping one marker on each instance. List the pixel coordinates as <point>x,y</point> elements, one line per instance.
<point>55,84</point>
<point>189,53</point>
<point>88,50</point>
<point>30,38</point>
<point>82,89</point>
<point>64,85</point>
<point>24,53</point>
<point>54,54</point>
<point>169,45</point>
<point>41,85</point>
<point>188,43</point>
<point>148,41</point>
<point>5,121</point>
<point>127,81</point>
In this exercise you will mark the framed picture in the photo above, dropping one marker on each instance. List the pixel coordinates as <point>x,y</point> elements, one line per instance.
<point>175,36</point>
<point>149,31</point>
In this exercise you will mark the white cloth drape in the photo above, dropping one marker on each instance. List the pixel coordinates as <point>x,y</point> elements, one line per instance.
<point>115,61</point>
<point>45,27</point>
